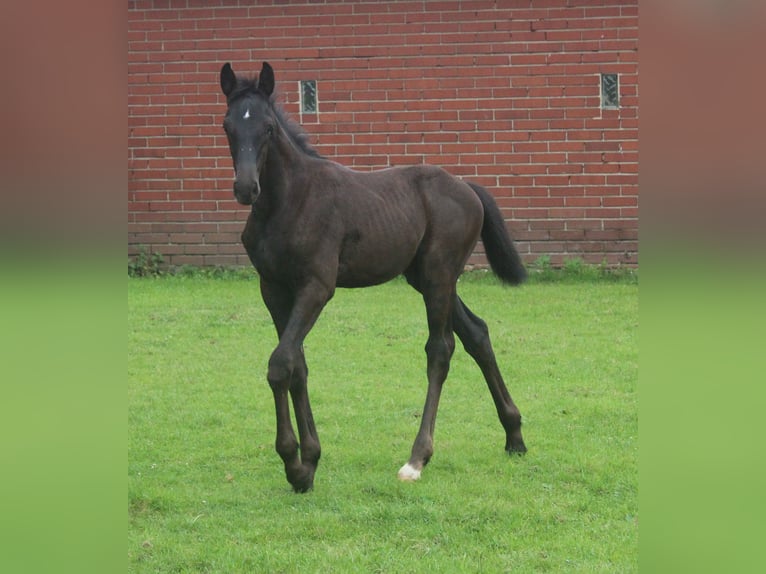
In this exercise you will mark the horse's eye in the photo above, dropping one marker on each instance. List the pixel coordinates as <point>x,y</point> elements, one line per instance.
<point>270,130</point>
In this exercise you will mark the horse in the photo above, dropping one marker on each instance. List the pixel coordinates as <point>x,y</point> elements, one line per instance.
<point>315,225</point>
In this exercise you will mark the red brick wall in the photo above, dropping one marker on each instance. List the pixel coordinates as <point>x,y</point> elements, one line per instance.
<point>504,93</point>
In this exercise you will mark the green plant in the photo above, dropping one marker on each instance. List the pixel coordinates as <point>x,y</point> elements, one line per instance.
<point>145,264</point>
<point>218,272</point>
<point>576,270</point>
<point>542,263</point>
<point>542,270</point>
<point>574,266</point>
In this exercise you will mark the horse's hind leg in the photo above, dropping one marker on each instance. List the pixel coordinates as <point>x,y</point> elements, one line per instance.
<point>474,335</point>
<point>439,349</point>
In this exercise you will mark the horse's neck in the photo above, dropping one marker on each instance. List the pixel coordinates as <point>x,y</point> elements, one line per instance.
<point>280,175</point>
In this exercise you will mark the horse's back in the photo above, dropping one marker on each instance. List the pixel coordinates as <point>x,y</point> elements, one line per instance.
<point>420,191</point>
<point>405,216</point>
<point>394,216</point>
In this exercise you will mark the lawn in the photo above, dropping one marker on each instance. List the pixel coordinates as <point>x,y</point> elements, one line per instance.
<point>207,493</point>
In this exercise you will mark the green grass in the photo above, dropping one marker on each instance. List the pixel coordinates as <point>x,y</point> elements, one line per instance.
<point>207,493</point>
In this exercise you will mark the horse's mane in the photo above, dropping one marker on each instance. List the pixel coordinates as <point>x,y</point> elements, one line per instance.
<point>249,86</point>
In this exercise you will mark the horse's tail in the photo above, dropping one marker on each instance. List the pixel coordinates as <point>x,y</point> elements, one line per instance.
<point>498,245</point>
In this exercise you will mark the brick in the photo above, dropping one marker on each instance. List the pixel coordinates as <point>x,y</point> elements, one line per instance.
<point>506,97</point>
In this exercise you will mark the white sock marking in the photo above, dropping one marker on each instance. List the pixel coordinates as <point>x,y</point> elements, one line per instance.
<point>408,473</point>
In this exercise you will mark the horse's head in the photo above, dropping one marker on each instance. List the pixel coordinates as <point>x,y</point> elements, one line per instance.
<point>250,127</point>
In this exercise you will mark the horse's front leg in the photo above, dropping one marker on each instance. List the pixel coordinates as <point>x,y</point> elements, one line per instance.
<point>294,315</point>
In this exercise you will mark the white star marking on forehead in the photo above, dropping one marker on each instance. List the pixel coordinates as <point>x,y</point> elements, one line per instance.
<point>247,114</point>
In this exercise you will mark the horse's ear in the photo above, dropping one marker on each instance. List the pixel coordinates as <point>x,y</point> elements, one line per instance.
<point>228,79</point>
<point>266,79</point>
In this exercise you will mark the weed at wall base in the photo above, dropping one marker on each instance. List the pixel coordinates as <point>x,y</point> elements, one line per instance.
<point>145,264</point>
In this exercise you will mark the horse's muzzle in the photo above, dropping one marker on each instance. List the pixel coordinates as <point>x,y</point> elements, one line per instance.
<point>247,175</point>
<point>246,192</point>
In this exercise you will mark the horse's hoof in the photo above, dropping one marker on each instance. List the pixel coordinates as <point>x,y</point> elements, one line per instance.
<point>408,473</point>
<point>516,449</point>
<point>302,486</point>
<point>303,482</point>
<point>302,489</point>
